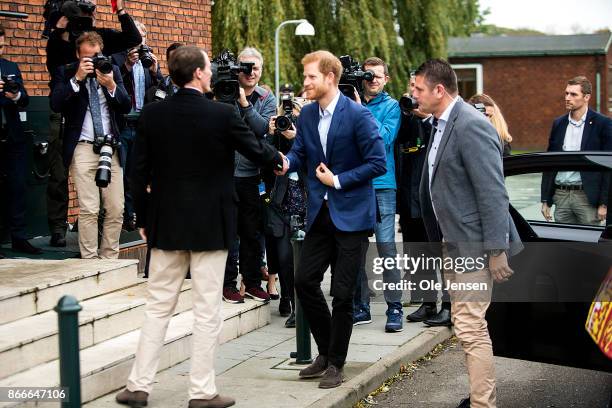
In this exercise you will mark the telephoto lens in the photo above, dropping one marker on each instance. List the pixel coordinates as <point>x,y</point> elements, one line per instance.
<point>106,145</point>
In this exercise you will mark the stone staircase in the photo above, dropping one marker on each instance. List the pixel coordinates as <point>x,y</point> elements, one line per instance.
<point>113,300</point>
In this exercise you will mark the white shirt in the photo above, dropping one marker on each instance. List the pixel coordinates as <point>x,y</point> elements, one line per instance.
<point>87,131</point>
<point>325,120</point>
<point>442,121</point>
<point>572,143</point>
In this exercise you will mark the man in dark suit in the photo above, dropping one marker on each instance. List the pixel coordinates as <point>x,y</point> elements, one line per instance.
<point>579,197</point>
<point>92,104</point>
<point>184,151</point>
<point>339,147</point>
<point>13,149</point>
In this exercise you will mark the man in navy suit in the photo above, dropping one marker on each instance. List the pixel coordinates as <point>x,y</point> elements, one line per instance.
<point>579,197</point>
<point>92,102</point>
<point>339,147</point>
<point>13,150</point>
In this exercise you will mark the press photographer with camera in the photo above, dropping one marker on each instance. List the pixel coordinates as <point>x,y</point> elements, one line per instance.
<point>256,107</point>
<point>13,98</point>
<point>165,87</point>
<point>140,72</point>
<point>92,99</point>
<point>65,21</point>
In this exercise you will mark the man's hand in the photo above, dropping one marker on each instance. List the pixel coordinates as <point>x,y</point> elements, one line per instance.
<point>602,211</point>
<point>106,80</point>
<point>86,67</point>
<point>143,234</point>
<point>120,6</point>
<point>546,212</point>
<point>289,133</point>
<point>357,98</point>
<point>285,166</point>
<point>13,97</point>
<point>498,266</point>
<point>325,175</point>
<point>132,59</point>
<point>272,125</point>
<point>153,67</point>
<point>242,100</point>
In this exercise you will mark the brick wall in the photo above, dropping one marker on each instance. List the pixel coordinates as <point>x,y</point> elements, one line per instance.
<point>187,21</point>
<point>530,91</point>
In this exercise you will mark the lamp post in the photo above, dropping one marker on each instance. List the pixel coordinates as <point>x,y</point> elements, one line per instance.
<point>303,28</point>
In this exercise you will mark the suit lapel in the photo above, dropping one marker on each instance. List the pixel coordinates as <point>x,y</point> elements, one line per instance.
<point>445,137</point>
<point>315,131</point>
<point>334,126</point>
<point>586,132</point>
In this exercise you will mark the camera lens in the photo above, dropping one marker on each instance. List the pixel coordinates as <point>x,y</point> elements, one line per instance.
<point>282,123</point>
<point>408,104</point>
<point>146,59</point>
<point>103,174</point>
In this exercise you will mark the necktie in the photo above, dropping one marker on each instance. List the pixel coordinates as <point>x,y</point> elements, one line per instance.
<point>94,107</point>
<point>434,128</point>
<point>139,85</point>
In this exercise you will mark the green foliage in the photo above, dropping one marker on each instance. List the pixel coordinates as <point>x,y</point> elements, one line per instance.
<point>404,33</point>
<point>493,30</point>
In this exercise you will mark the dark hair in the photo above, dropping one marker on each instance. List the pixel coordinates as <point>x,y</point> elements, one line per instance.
<point>1,30</point>
<point>184,62</point>
<point>585,84</point>
<point>438,71</point>
<point>171,48</point>
<point>91,38</point>
<point>375,62</point>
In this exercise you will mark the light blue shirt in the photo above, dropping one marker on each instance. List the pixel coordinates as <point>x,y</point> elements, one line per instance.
<point>325,120</point>
<point>572,143</point>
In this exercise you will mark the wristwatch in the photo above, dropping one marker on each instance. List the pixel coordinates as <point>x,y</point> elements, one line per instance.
<point>496,252</point>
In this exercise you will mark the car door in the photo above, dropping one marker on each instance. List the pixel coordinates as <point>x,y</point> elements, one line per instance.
<point>540,313</point>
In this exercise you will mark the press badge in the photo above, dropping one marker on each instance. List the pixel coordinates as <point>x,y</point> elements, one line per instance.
<point>262,188</point>
<point>160,93</point>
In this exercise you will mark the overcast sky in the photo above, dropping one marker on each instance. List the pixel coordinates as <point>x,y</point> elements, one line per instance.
<point>550,16</point>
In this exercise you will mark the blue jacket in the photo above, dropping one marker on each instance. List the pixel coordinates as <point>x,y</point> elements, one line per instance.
<point>11,108</point>
<point>355,153</point>
<point>386,112</point>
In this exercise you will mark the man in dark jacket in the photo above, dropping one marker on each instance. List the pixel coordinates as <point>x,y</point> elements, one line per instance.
<point>13,149</point>
<point>188,218</point>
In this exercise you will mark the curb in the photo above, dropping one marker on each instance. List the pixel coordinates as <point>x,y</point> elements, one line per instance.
<point>351,392</point>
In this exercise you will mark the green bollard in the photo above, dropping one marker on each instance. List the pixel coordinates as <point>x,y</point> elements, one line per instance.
<point>68,309</point>
<point>302,329</point>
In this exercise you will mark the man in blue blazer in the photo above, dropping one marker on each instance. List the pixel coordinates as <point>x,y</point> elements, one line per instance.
<point>13,149</point>
<point>579,197</point>
<point>338,146</point>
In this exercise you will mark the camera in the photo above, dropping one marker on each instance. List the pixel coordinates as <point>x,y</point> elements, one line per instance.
<point>104,146</point>
<point>225,70</point>
<point>408,104</point>
<point>78,12</point>
<point>481,108</point>
<point>102,63</point>
<point>146,56</point>
<point>287,119</point>
<point>10,83</point>
<point>352,77</point>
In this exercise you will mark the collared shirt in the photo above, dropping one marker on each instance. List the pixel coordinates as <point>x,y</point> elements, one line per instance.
<point>139,85</point>
<point>325,120</point>
<point>572,143</point>
<point>437,138</point>
<point>87,131</point>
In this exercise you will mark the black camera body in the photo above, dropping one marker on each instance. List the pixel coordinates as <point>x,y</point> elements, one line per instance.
<point>105,146</point>
<point>78,12</point>
<point>481,108</point>
<point>408,104</point>
<point>102,63</point>
<point>225,70</point>
<point>287,119</point>
<point>352,77</point>
<point>10,83</point>
<point>146,56</point>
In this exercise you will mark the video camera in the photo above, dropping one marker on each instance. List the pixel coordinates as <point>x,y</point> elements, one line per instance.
<point>225,70</point>
<point>352,77</point>
<point>10,83</point>
<point>408,104</point>
<point>284,121</point>
<point>78,12</point>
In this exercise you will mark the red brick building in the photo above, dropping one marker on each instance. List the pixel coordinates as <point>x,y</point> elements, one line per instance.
<point>527,77</point>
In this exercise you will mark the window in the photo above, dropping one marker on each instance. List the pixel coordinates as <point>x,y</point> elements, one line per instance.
<point>469,78</point>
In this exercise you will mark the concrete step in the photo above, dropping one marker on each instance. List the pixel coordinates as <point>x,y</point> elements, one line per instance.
<point>33,340</point>
<point>28,287</point>
<point>105,366</point>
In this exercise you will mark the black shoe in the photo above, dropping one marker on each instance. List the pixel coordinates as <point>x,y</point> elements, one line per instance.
<point>22,245</point>
<point>284,307</point>
<point>426,311</point>
<point>134,399</point>
<point>316,369</point>
<point>290,323</point>
<point>57,240</point>
<point>332,378</point>
<point>443,318</point>
<point>465,403</point>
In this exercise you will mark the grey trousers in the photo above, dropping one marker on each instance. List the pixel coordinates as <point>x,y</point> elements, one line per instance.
<point>573,207</point>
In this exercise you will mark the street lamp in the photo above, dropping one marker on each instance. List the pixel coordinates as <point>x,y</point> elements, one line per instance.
<point>303,28</point>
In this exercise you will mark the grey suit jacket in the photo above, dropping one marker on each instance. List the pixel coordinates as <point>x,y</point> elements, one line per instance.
<point>467,188</point>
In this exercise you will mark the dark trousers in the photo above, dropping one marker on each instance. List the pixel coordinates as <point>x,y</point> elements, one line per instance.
<point>57,185</point>
<point>127,146</point>
<point>324,245</point>
<point>279,254</point>
<point>14,162</point>
<point>249,230</point>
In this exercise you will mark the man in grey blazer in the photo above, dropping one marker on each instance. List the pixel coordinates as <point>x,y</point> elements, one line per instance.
<point>465,205</point>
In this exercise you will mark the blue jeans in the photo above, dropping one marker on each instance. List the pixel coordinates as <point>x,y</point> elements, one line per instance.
<point>385,244</point>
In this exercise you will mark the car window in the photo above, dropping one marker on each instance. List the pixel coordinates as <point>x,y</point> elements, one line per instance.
<point>572,197</point>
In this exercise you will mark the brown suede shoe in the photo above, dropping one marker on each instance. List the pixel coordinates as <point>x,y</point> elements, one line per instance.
<point>220,401</point>
<point>135,399</point>
<point>316,369</point>
<point>332,378</point>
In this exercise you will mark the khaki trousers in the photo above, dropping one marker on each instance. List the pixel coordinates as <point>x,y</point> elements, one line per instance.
<point>468,309</point>
<point>83,171</point>
<point>573,207</point>
<point>167,272</point>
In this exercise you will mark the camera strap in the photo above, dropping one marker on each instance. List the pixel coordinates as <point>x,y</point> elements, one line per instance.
<point>94,107</point>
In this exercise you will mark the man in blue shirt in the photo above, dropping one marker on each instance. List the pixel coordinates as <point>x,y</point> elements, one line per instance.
<point>387,114</point>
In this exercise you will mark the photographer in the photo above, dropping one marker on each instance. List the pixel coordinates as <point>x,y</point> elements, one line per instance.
<point>165,87</point>
<point>256,106</point>
<point>92,103</point>
<point>67,19</point>
<point>140,72</point>
<point>14,97</point>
